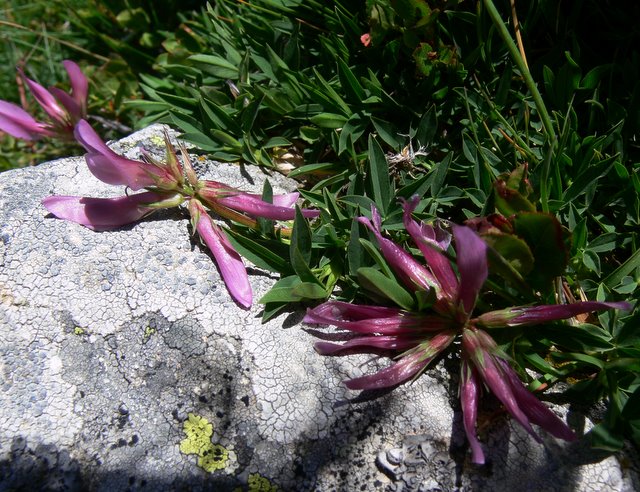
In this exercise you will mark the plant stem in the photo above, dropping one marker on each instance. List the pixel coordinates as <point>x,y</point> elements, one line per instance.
<point>522,66</point>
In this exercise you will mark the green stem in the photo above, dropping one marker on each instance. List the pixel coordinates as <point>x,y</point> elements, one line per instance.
<point>524,70</point>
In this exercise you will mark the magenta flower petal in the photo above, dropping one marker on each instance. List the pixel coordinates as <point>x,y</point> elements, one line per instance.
<point>338,310</point>
<point>227,258</point>
<point>90,140</point>
<point>397,373</point>
<point>286,200</point>
<point>366,343</point>
<point>534,409</point>
<point>469,398</point>
<point>101,214</point>
<point>79,86</point>
<point>553,312</point>
<point>374,319</point>
<point>413,274</point>
<point>48,102</point>
<point>69,103</point>
<point>110,168</point>
<point>408,366</point>
<point>17,122</point>
<point>431,243</point>
<point>256,207</point>
<point>471,257</point>
<point>478,347</point>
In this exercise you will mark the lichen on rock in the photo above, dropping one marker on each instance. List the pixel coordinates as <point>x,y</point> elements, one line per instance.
<point>211,457</point>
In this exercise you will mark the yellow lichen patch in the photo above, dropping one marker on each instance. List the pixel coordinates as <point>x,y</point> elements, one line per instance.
<point>78,330</point>
<point>148,332</point>
<point>258,483</point>
<point>199,432</point>
<point>211,457</point>
<point>157,140</point>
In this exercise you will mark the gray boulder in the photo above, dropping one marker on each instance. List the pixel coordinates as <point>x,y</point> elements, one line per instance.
<point>125,365</point>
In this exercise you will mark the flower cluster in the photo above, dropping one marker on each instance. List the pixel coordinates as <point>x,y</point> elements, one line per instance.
<point>64,110</point>
<point>166,184</point>
<point>170,183</point>
<point>420,337</point>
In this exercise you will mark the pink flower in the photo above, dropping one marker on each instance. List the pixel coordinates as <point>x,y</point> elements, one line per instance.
<point>419,337</point>
<point>365,39</point>
<point>64,110</point>
<point>170,183</point>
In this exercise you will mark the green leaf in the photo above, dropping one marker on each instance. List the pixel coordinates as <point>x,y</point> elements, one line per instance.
<point>202,142</point>
<point>276,142</point>
<point>378,176</point>
<point>332,94</point>
<point>546,239</point>
<point>513,249</point>
<point>585,338</point>
<point>219,117</point>
<point>320,169</point>
<point>262,256</point>
<point>377,256</point>
<point>309,290</point>
<point>351,132</point>
<point>216,66</point>
<point>377,282</point>
<point>282,291</point>
<point>328,120</point>
<point>225,138</point>
<point>440,174</point>
<point>427,127</point>
<point>349,82</point>
<point>301,236</point>
<point>614,278</point>
<point>355,256</point>
<point>602,437</point>
<point>266,225</point>
<point>510,201</point>
<point>588,178</point>
<point>387,132</point>
<point>300,249</point>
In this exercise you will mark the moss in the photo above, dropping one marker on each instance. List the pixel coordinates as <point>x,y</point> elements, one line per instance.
<point>211,457</point>
<point>78,330</point>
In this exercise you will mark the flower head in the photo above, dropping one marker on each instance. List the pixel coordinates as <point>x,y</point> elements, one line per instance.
<point>64,110</point>
<point>170,183</point>
<point>419,337</point>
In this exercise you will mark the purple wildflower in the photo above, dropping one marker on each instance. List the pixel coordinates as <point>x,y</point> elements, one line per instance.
<point>420,337</point>
<point>170,183</point>
<point>64,110</point>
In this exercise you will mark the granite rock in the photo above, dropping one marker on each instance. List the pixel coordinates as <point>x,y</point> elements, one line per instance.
<point>125,365</point>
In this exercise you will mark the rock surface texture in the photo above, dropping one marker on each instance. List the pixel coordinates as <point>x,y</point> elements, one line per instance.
<point>125,365</point>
